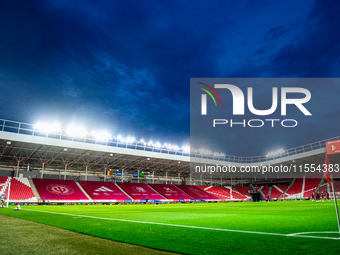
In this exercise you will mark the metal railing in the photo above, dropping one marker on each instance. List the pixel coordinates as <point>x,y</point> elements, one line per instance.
<point>29,129</point>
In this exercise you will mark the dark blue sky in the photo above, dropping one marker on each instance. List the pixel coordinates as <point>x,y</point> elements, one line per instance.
<point>125,66</point>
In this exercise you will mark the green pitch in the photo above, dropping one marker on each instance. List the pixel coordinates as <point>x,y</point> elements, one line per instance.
<point>295,227</point>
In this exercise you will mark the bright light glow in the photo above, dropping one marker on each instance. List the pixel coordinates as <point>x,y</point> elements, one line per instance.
<point>158,145</point>
<point>130,139</point>
<point>76,131</point>
<point>101,136</point>
<point>275,153</point>
<point>186,148</point>
<point>48,127</point>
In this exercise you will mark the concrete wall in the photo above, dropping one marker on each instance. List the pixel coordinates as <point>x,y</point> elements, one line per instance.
<point>6,173</point>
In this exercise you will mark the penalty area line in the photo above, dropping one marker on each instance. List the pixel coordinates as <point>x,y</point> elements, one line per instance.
<point>193,227</point>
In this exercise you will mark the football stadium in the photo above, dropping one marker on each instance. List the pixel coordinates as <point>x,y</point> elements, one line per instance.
<point>140,193</point>
<point>169,127</point>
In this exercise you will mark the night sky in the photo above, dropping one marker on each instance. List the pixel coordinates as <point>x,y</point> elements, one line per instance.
<point>125,66</point>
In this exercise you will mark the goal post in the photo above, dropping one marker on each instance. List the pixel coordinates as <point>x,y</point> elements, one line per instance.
<point>8,192</point>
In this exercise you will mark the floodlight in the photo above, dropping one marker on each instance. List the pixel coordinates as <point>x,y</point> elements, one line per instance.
<point>186,148</point>
<point>48,127</point>
<point>76,131</point>
<point>101,136</point>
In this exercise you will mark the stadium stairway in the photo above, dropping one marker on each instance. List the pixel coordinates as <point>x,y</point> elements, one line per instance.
<point>85,193</point>
<point>311,185</point>
<point>278,187</point>
<point>124,191</point>
<point>295,190</point>
<point>155,191</point>
<point>217,192</point>
<point>34,189</point>
<point>242,190</point>
<point>5,181</point>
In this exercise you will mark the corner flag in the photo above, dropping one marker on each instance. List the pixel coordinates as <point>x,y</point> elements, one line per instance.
<point>330,181</point>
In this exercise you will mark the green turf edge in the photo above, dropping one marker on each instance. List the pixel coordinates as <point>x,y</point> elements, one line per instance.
<point>16,238</point>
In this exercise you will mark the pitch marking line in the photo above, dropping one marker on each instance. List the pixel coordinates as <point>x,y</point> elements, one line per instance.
<point>321,232</point>
<point>195,227</point>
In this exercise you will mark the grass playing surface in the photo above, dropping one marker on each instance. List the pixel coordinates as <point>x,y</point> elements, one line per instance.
<point>295,227</point>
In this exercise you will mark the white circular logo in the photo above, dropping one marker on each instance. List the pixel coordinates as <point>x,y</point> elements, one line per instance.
<point>60,189</point>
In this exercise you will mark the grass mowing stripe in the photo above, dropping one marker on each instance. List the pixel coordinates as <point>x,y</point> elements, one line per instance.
<point>185,226</point>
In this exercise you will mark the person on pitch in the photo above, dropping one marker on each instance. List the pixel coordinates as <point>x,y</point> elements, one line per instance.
<point>2,200</point>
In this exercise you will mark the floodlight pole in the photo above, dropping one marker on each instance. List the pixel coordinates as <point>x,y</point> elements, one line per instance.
<point>42,170</point>
<point>18,169</point>
<point>336,204</point>
<point>65,172</point>
<point>105,174</point>
<point>153,177</point>
<point>86,172</point>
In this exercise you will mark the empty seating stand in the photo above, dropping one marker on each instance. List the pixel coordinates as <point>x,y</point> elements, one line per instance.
<point>170,191</point>
<point>103,190</point>
<point>243,190</point>
<point>278,190</point>
<point>217,192</point>
<point>197,192</point>
<point>140,191</point>
<point>295,191</point>
<point>19,189</point>
<point>59,190</point>
<point>310,186</point>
